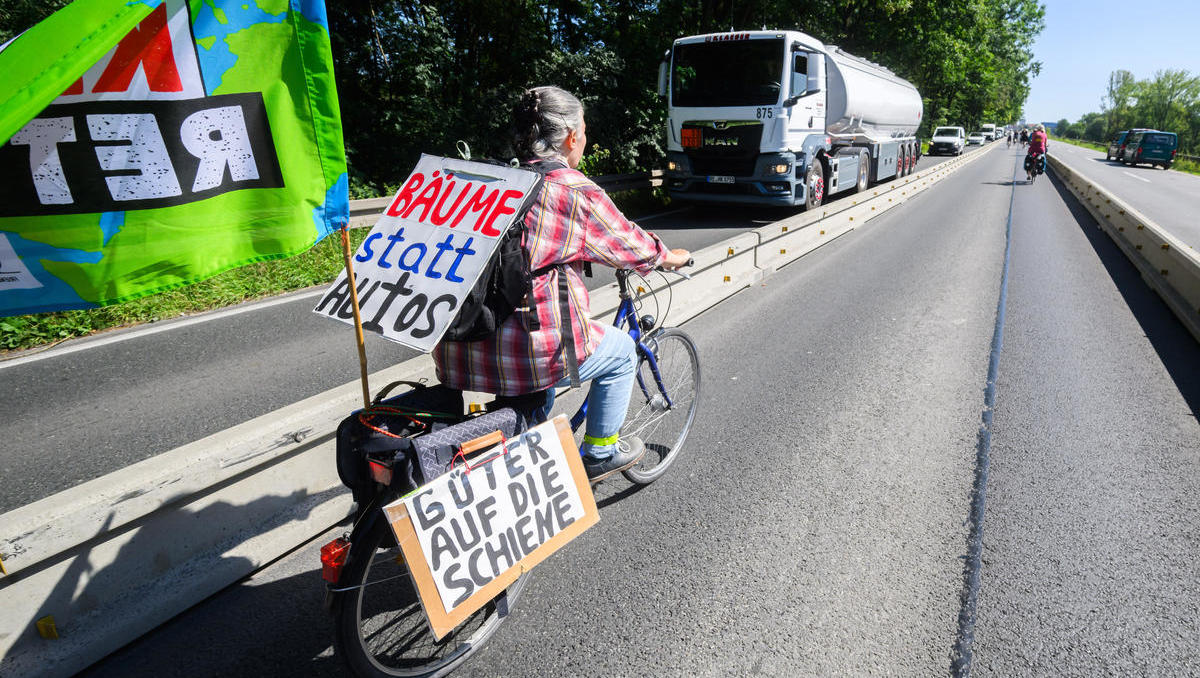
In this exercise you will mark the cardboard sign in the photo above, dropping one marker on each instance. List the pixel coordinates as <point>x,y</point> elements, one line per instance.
<point>469,534</point>
<point>429,247</point>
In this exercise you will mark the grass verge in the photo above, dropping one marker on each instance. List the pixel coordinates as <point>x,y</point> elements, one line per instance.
<point>319,265</point>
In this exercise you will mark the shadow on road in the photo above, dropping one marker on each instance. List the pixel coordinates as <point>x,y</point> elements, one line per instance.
<point>1174,344</point>
<point>292,636</point>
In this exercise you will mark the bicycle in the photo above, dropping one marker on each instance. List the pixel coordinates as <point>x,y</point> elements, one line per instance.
<point>1035,164</point>
<point>380,627</point>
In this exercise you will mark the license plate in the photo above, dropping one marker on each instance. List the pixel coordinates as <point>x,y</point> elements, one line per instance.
<point>720,180</point>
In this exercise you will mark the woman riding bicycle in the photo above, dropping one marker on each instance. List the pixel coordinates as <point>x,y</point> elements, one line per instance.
<point>572,222</point>
<point>1038,144</point>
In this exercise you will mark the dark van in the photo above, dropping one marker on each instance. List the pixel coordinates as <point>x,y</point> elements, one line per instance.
<point>1117,146</point>
<point>1150,147</point>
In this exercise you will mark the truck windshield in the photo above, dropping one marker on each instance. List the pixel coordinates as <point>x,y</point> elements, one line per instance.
<point>945,132</point>
<point>739,73</point>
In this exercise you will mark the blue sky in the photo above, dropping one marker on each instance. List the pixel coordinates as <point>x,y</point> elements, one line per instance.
<point>1085,40</point>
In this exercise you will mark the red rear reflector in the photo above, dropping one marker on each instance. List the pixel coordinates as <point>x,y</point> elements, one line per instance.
<point>333,557</point>
<point>380,472</point>
<point>691,138</point>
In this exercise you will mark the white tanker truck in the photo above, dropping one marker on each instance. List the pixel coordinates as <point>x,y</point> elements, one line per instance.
<point>778,118</point>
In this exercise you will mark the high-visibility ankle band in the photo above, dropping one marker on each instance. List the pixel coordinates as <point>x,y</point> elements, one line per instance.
<point>600,442</point>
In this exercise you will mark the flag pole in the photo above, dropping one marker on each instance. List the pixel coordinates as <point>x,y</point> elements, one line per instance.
<point>358,328</point>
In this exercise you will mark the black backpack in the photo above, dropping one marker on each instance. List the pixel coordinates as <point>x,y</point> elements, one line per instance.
<point>506,283</point>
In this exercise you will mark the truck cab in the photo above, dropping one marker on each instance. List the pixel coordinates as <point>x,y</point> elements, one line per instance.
<point>761,117</point>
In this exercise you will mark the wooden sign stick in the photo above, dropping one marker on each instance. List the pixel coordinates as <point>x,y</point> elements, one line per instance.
<point>358,328</point>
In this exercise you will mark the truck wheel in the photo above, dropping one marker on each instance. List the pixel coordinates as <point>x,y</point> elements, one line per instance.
<point>814,186</point>
<point>864,172</point>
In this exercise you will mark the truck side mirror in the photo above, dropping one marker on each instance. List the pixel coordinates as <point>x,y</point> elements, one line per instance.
<point>814,74</point>
<point>664,72</point>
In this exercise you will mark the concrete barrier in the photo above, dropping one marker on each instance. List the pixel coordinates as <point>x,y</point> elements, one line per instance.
<point>112,558</point>
<point>1169,266</point>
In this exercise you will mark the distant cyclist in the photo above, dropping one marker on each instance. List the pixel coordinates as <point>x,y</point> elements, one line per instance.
<point>1038,145</point>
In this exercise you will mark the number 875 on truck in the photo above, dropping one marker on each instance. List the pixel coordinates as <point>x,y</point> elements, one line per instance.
<point>778,118</point>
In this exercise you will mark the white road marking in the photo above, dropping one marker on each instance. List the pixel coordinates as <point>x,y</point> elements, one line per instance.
<point>1135,176</point>
<point>162,326</point>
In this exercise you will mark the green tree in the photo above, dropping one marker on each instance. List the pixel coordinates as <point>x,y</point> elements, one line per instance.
<point>18,15</point>
<point>417,76</point>
<point>1122,88</point>
<point>1165,100</point>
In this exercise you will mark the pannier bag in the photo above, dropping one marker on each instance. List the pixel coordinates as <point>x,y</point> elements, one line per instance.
<point>385,430</point>
<point>410,439</point>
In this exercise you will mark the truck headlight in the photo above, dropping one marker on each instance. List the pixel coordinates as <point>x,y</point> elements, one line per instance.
<point>672,165</point>
<point>781,168</point>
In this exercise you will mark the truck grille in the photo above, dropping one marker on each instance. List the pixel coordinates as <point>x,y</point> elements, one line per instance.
<point>730,151</point>
<point>729,167</point>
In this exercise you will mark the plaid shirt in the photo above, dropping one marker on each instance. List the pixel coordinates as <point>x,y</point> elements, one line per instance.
<point>572,221</point>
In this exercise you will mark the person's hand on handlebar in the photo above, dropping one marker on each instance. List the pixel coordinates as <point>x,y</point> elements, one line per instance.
<point>676,259</point>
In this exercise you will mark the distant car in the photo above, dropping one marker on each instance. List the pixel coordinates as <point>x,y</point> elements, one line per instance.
<point>947,141</point>
<point>976,138</point>
<point>1151,147</point>
<point>1117,146</point>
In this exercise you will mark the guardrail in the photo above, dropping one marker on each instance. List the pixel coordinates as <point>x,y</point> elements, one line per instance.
<point>114,557</point>
<point>1167,264</point>
<point>1192,158</point>
<point>364,213</point>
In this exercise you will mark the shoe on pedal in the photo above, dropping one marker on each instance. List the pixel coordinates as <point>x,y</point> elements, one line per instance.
<point>629,452</point>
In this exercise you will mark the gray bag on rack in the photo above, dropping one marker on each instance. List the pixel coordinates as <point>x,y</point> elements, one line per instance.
<point>435,452</point>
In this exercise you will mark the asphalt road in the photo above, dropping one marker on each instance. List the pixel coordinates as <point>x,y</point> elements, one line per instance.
<point>1091,534</point>
<point>1169,198</point>
<point>94,406</point>
<point>817,525</point>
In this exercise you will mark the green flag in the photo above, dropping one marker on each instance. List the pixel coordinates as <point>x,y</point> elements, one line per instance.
<point>153,143</point>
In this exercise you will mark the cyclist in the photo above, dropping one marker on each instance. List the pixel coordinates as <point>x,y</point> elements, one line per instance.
<point>1038,145</point>
<point>572,222</point>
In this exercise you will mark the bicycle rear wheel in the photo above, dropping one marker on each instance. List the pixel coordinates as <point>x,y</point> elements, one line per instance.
<point>662,417</point>
<point>381,628</point>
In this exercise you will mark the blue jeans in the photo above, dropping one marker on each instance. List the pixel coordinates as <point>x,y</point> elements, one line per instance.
<point>612,369</point>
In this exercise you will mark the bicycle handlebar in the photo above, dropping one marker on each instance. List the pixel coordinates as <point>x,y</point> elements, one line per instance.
<point>685,276</point>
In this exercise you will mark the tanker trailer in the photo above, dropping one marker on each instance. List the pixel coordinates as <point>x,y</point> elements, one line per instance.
<point>779,118</point>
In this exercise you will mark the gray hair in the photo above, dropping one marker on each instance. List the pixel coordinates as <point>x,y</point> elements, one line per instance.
<point>543,117</point>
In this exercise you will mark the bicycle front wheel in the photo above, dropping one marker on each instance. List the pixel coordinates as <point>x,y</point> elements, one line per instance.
<point>380,626</point>
<point>664,402</point>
